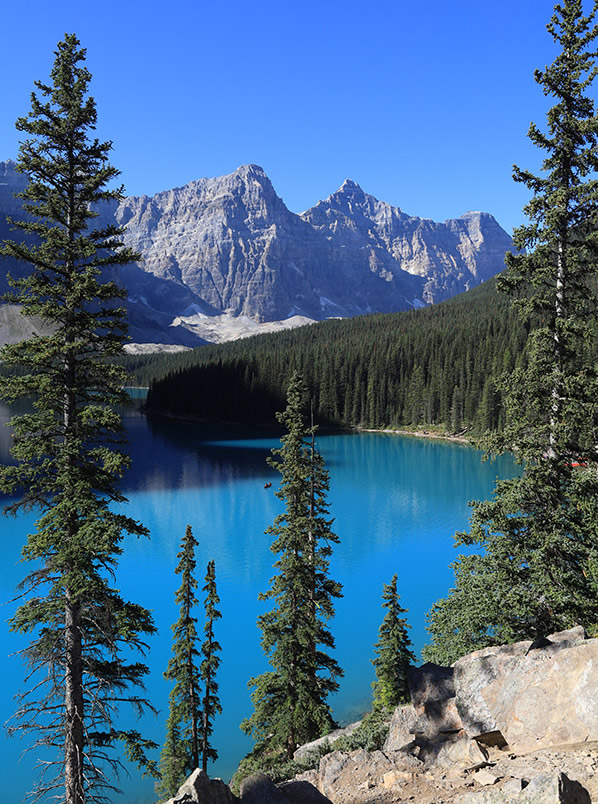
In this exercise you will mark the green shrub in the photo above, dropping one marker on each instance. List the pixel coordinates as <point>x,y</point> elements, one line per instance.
<point>276,765</point>
<point>370,734</point>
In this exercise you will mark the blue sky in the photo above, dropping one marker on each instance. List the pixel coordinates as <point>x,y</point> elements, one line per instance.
<point>425,105</point>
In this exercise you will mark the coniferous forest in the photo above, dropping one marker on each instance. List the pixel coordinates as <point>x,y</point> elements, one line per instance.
<point>437,366</point>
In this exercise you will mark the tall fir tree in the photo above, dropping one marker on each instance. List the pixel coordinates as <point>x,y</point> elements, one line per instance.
<point>393,653</point>
<point>209,667</point>
<point>180,753</point>
<point>290,701</point>
<point>539,534</point>
<point>69,449</point>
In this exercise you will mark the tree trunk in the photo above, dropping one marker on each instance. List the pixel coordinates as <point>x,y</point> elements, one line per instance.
<point>73,694</point>
<point>206,710</point>
<point>73,704</point>
<point>192,693</point>
<point>559,314</point>
<point>193,705</point>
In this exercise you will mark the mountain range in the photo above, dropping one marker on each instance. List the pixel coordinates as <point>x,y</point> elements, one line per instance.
<point>224,257</point>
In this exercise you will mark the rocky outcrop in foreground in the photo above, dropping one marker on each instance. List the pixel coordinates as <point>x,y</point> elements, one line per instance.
<point>517,723</point>
<point>255,789</point>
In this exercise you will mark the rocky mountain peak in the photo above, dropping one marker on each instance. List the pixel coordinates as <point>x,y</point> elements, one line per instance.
<point>243,195</point>
<point>228,246</point>
<point>349,193</point>
<point>349,187</point>
<point>245,176</point>
<point>348,203</point>
<point>7,168</point>
<point>251,185</point>
<point>251,170</point>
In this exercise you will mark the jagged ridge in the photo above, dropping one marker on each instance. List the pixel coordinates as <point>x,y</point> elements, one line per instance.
<point>229,245</point>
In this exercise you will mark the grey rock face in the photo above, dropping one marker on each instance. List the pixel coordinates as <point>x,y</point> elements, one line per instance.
<point>200,789</point>
<point>230,245</point>
<point>549,699</point>
<point>473,673</point>
<point>430,682</point>
<point>529,695</point>
<point>448,257</point>
<point>302,792</point>
<point>555,788</point>
<point>232,242</point>
<point>432,691</point>
<point>341,770</point>
<point>513,690</point>
<point>13,327</point>
<point>402,725</point>
<point>306,749</point>
<point>260,789</point>
<point>449,750</point>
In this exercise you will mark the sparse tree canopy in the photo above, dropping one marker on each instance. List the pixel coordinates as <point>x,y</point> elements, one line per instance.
<point>69,449</point>
<point>539,535</point>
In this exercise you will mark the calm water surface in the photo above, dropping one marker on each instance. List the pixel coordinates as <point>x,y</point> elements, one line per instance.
<point>396,502</point>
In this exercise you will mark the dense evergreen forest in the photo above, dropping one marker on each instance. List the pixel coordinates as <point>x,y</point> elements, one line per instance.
<point>436,366</point>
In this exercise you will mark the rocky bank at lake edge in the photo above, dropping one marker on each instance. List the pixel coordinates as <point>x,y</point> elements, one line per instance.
<point>515,723</point>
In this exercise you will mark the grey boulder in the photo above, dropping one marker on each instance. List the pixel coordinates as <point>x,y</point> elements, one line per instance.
<point>549,700</point>
<point>497,687</point>
<point>401,731</point>
<point>260,789</point>
<point>200,789</point>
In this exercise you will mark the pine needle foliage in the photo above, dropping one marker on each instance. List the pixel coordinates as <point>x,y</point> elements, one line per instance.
<point>290,701</point>
<point>173,759</point>
<point>69,448</point>
<point>393,653</point>
<point>180,753</point>
<point>538,536</point>
<point>209,666</point>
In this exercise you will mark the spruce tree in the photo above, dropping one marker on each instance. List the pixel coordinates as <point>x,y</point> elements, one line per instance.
<point>539,534</point>
<point>290,701</point>
<point>393,653</point>
<point>209,666</point>
<point>174,759</point>
<point>180,754</point>
<point>69,449</point>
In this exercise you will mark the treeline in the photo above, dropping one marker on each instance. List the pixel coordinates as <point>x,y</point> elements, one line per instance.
<point>437,366</point>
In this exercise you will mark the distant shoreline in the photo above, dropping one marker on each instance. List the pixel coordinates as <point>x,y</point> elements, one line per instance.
<point>461,439</point>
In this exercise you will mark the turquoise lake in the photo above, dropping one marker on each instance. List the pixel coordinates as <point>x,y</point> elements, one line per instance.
<point>396,502</point>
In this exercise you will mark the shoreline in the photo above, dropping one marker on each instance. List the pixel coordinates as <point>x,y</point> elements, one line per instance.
<point>421,433</point>
<point>460,439</point>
